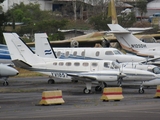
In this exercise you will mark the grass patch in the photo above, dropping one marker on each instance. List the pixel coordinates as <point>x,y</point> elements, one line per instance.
<point>27,73</point>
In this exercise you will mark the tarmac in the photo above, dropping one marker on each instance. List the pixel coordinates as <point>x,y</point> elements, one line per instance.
<point>19,101</point>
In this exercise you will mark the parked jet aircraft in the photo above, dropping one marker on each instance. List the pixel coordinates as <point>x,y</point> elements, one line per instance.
<point>7,71</point>
<point>88,70</point>
<point>5,61</point>
<point>43,49</point>
<point>81,53</point>
<point>132,44</point>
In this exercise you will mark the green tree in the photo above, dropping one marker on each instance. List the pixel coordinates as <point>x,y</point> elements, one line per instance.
<point>142,7</point>
<point>34,19</point>
<point>100,22</point>
<point>127,20</point>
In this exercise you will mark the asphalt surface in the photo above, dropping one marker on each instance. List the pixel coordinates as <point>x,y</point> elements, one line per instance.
<point>19,101</point>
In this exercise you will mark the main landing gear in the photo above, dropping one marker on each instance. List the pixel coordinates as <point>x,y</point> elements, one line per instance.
<point>87,89</point>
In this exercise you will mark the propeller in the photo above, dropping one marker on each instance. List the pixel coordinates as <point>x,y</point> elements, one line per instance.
<point>105,42</point>
<point>121,76</point>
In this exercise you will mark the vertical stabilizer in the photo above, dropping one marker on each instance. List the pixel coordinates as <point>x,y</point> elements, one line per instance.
<point>19,50</point>
<point>112,12</point>
<point>126,38</point>
<point>43,47</point>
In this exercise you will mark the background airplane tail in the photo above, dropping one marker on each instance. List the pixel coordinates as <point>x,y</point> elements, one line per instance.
<point>112,12</point>
<point>19,50</point>
<point>42,46</point>
<point>126,38</point>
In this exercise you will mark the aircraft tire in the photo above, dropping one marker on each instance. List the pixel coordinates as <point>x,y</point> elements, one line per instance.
<point>86,91</point>
<point>5,83</point>
<point>98,88</point>
<point>51,81</point>
<point>141,91</point>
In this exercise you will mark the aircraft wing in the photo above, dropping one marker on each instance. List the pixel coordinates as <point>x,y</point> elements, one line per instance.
<point>110,75</point>
<point>21,64</point>
<point>82,77</point>
<point>151,59</point>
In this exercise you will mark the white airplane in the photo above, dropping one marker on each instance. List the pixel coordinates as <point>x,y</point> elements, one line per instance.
<point>43,49</point>
<point>7,71</point>
<point>82,53</point>
<point>132,44</point>
<point>85,70</point>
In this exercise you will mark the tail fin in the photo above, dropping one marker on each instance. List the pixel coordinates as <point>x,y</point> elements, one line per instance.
<point>126,39</point>
<point>19,50</point>
<point>43,47</point>
<point>112,12</point>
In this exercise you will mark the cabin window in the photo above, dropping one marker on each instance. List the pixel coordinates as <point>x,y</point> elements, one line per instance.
<point>85,64</point>
<point>68,63</point>
<point>106,65</point>
<point>75,53</point>
<point>55,63</point>
<point>67,53</point>
<point>116,52</point>
<point>97,53</point>
<point>76,63</point>
<point>109,53</point>
<point>61,64</point>
<point>83,53</point>
<point>94,64</point>
<point>58,53</point>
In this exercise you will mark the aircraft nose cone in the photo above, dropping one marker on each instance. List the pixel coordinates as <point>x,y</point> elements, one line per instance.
<point>17,73</point>
<point>137,59</point>
<point>7,70</point>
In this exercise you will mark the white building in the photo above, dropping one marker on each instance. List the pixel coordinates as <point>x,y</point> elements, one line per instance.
<point>44,4</point>
<point>153,7</point>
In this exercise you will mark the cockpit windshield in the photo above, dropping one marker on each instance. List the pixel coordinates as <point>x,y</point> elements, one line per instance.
<point>156,70</point>
<point>117,52</point>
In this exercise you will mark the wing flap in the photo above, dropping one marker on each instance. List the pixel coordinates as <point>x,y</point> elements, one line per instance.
<point>21,64</point>
<point>82,77</point>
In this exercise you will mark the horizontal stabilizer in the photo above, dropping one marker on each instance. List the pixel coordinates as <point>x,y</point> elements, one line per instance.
<point>151,59</point>
<point>120,32</point>
<point>21,64</point>
<point>116,28</point>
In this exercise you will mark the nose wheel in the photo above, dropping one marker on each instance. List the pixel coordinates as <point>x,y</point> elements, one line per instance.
<point>5,83</point>
<point>141,90</point>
